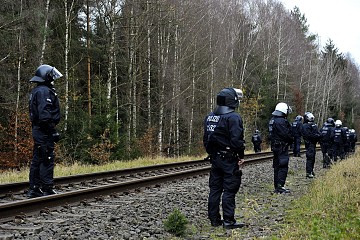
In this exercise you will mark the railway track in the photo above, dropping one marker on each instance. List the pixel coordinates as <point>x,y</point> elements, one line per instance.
<point>77,188</point>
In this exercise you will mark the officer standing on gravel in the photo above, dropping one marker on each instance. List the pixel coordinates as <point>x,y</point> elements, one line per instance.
<point>353,140</point>
<point>224,142</point>
<point>326,141</point>
<point>296,131</point>
<point>44,115</point>
<point>256,140</point>
<point>280,135</point>
<point>311,136</point>
<point>339,140</point>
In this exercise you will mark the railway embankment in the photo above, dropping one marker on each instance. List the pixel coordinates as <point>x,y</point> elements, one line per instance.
<point>139,214</point>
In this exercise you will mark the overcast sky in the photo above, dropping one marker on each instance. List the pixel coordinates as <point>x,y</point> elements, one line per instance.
<point>334,19</point>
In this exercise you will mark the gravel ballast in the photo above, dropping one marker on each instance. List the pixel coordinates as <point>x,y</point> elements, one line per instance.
<point>140,214</point>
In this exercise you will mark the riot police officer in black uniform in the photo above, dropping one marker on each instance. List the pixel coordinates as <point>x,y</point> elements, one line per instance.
<point>281,137</point>
<point>353,140</point>
<point>311,136</point>
<point>339,140</point>
<point>224,141</point>
<point>326,141</point>
<point>256,140</point>
<point>44,115</point>
<point>296,132</point>
<point>347,142</point>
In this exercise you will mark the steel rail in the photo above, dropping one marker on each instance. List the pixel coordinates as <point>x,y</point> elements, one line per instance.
<point>35,204</point>
<point>20,208</point>
<point>21,186</point>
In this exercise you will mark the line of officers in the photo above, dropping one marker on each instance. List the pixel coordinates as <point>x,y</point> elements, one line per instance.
<point>336,142</point>
<point>223,140</point>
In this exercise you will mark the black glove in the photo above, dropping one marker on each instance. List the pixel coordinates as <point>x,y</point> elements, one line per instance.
<point>208,158</point>
<point>56,137</point>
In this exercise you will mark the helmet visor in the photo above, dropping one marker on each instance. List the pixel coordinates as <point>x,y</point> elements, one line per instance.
<point>56,74</point>
<point>239,93</point>
<point>289,110</point>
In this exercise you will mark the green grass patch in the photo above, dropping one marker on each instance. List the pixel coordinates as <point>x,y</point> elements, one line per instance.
<point>331,209</point>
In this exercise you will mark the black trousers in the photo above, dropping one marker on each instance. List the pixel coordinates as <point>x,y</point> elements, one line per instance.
<point>297,142</point>
<point>42,164</point>
<point>327,152</point>
<point>257,147</point>
<point>310,156</point>
<point>224,183</point>
<point>338,151</point>
<point>280,164</point>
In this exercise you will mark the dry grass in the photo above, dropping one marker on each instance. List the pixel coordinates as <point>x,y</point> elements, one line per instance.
<point>61,170</point>
<point>331,209</point>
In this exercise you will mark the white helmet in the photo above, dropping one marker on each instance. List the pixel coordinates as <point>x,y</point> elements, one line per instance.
<point>338,123</point>
<point>309,117</point>
<point>281,109</point>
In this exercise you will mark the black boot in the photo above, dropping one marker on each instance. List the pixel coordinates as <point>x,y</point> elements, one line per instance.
<point>309,175</point>
<point>34,192</point>
<point>216,222</point>
<point>232,224</point>
<point>48,190</point>
<point>281,189</point>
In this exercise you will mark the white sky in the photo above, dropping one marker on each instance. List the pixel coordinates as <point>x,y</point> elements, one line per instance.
<point>334,19</point>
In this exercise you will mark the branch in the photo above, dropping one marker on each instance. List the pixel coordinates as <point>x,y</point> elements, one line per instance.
<point>3,59</point>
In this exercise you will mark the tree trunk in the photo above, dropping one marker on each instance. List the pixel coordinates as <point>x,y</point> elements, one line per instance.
<point>45,31</point>
<point>148,66</point>
<point>88,59</point>
<point>17,106</point>
<point>66,54</point>
<point>163,57</point>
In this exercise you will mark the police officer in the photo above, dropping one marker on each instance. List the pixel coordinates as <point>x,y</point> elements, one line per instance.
<point>224,141</point>
<point>256,140</point>
<point>353,139</point>
<point>347,142</point>
<point>44,115</point>
<point>311,136</point>
<point>280,137</point>
<point>339,139</point>
<point>296,132</point>
<point>326,141</point>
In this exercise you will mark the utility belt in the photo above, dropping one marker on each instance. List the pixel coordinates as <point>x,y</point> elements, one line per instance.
<point>225,154</point>
<point>309,142</point>
<point>278,143</point>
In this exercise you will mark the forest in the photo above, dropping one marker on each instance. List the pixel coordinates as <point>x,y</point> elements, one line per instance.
<point>141,75</point>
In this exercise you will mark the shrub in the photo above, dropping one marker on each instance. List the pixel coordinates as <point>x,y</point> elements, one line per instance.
<point>176,223</point>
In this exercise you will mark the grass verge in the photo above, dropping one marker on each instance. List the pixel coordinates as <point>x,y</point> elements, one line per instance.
<point>331,209</point>
<point>11,176</point>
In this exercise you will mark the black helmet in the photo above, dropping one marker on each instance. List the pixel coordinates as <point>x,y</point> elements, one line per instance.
<point>46,74</point>
<point>330,121</point>
<point>227,100</point>
<point>309,117</point>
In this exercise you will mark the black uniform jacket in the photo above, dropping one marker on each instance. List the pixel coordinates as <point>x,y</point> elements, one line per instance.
<point>310,132</point>
<point>224,133</point>
<point>280,130</point>
<point>44,108</point>
<point>296,128</point>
